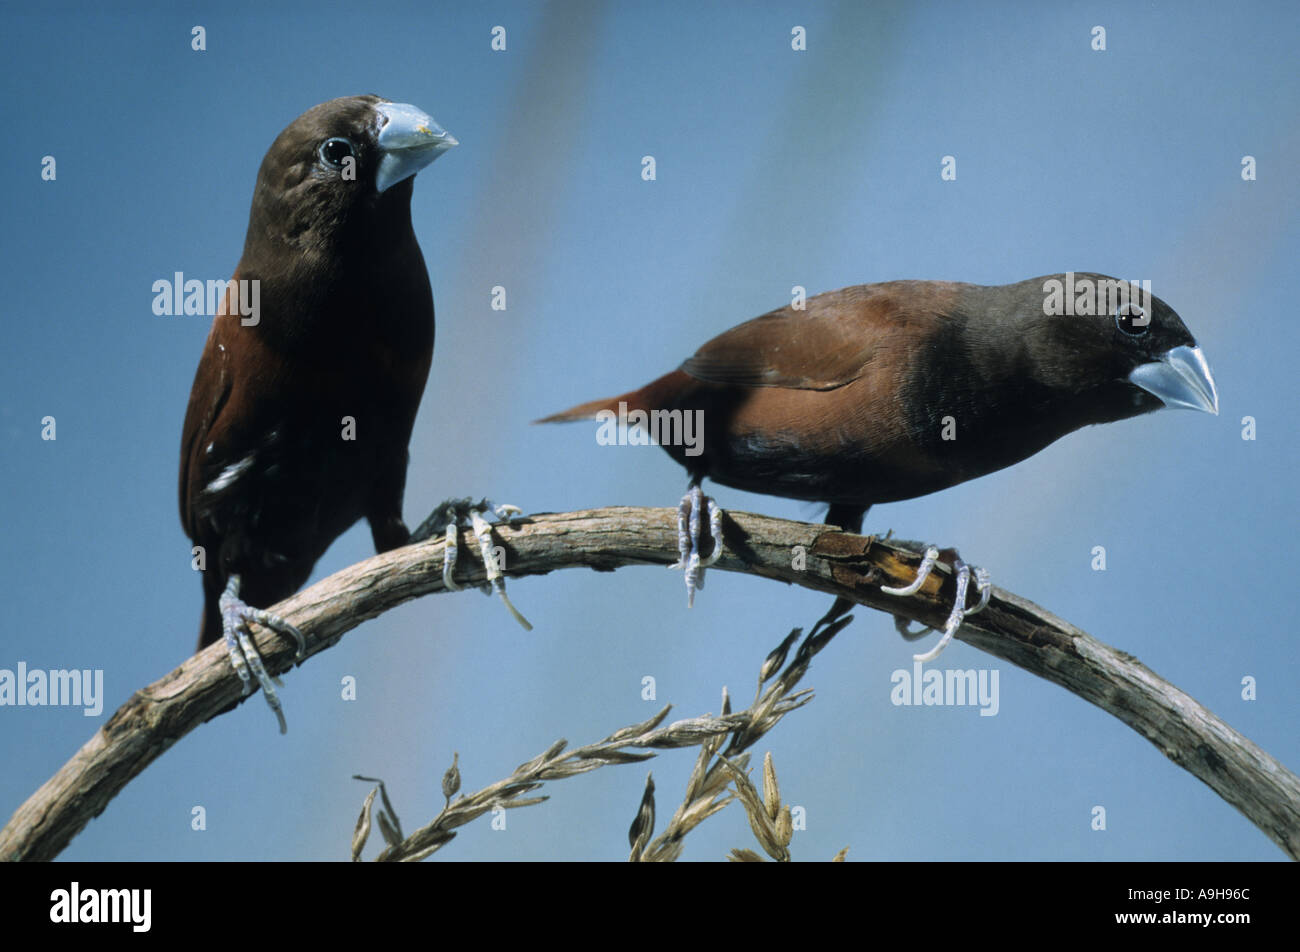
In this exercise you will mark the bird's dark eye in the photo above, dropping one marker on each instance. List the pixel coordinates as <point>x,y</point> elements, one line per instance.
<point>1132,319</point>
<point>334,151</point>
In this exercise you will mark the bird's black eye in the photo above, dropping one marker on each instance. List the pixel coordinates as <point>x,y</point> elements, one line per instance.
<point>334,151</point>
<point>1132,319</point>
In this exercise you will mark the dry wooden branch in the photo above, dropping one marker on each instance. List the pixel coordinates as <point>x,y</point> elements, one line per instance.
<point>835,562</point>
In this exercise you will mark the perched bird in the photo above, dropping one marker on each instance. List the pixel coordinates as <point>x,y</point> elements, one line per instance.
<point>302,406</point>
<point>882,392</point>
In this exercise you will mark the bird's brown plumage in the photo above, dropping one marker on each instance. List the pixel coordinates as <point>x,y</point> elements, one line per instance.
<point>341,347</point>
<point>884,392</point>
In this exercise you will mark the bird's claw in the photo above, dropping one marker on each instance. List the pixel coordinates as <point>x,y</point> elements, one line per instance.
<point>689,518</point>
<point>458,513</point>
<point>235,616</point>
<point>959,613</point>
<point>922,573</point>
<point>483,535</point>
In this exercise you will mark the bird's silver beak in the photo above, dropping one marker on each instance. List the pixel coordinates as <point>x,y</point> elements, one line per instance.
<point>408,141</point>
<point>1181,378</point>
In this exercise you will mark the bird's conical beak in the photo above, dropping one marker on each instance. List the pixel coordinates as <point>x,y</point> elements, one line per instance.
<point>1181,378</point>
<point>408,141</point>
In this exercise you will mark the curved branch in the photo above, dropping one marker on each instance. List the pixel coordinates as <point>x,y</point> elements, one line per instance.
<point>838,563</point>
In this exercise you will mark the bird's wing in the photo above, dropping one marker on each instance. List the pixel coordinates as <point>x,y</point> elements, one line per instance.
<point>213,383</point>
<point>824,346</point>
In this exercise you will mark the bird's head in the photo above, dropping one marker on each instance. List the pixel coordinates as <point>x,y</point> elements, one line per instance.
<point>1117,342</point>
<point>343,158</point>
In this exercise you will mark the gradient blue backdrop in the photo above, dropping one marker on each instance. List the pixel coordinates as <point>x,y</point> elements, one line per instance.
<point>775,168</point>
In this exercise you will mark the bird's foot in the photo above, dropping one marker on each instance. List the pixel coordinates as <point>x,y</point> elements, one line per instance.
<point>965,573</point>
<point>453,515</point>
<point>235,616</point>
<point>690,515</point>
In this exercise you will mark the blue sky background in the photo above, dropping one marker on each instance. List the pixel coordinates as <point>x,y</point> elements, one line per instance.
<point>775,168</point>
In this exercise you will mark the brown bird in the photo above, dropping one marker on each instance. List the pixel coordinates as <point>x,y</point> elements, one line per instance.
<point>308,386</point>
<point>883,392</point>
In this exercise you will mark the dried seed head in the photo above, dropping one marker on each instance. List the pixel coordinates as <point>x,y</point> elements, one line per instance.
<point>451,779</point>
<point>392,835</point>
<point>776,657</point>
<point>361,832</point>
<point>784,827</point>
<point>643,824</point>
<point>771,792</point>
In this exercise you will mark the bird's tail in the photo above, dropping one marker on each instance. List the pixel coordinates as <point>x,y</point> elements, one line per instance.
<point>653,396</point>
<point>583,411</point>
